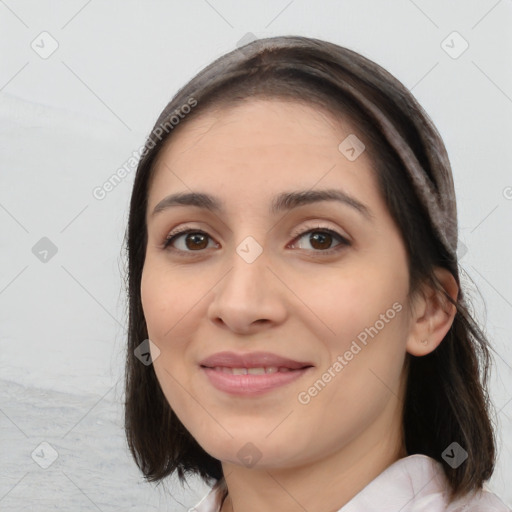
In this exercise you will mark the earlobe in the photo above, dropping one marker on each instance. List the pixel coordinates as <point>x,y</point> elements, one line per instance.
<point>433,314</point>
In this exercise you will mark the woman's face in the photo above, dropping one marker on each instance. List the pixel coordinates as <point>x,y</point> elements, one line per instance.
<point>274,263</point>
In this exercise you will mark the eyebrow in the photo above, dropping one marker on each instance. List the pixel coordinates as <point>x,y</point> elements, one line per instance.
<point>283,202</point>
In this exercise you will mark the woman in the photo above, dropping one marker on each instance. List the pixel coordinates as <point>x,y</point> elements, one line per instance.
<point>292,258</point>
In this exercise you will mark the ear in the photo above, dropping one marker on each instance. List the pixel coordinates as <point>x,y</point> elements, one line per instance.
<point>432,314</point>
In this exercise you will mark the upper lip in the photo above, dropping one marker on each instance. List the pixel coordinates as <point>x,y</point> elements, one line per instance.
<point>251,360</point>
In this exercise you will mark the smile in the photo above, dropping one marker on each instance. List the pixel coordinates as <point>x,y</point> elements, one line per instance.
<point>251,381</point>
<point>251,371</point>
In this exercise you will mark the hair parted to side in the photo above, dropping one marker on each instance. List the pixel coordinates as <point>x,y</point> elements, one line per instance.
<point>446,396</point>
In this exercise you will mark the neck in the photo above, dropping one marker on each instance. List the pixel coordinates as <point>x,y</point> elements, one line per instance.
<point>326,485</point>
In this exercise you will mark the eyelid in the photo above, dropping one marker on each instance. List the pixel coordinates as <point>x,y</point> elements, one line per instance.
<point>191,226</point>
<point>318,225</point>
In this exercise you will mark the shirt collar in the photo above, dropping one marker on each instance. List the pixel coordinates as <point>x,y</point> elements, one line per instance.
<point>415,481</point>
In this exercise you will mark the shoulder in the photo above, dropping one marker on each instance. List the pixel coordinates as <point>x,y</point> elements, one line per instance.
<point>478,501</point>
<point>417,483</point>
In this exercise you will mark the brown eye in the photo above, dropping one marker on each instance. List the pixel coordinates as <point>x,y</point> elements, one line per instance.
<point>196,241</point>
<point>188,241</point>
<point>320,240</point>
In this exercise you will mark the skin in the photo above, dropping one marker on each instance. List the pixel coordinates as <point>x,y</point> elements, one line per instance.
<point>294,300</point>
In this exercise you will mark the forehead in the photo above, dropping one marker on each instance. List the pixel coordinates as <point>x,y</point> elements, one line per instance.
<point>261,124</point>
<point>261,146</point>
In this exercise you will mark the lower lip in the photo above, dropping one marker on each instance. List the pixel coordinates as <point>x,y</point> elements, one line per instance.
<point>251,384</point>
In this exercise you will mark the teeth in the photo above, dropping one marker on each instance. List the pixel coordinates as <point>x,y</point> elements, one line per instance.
<point>256,371</point>
<point>251,371</point>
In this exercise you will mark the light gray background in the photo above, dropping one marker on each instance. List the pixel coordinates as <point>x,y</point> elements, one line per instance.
<point>69,121</point>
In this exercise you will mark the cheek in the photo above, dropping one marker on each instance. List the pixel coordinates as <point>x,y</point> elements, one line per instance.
<point>170,304</point>
<point>343,306</point>
<point>168,297</point>
<point>364,354</point>
<point>174,302</point>
<point>361,319</point>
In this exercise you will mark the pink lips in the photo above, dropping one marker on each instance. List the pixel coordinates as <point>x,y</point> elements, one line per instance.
<point>251,360</point>
<point>251,373</point>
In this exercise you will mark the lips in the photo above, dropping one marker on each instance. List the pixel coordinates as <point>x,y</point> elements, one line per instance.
<point>228,361</point>
<point>252,374</point>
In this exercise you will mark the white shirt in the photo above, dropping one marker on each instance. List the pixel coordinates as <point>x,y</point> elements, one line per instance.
<point>416,483</point>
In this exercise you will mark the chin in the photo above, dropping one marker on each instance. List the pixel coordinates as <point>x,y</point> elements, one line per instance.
<point>252,453</point>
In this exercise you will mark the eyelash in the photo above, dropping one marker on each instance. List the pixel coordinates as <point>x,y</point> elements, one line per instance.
<point>343,241</point>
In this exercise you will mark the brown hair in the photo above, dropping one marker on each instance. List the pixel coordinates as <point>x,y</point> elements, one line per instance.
<point>446,396</point>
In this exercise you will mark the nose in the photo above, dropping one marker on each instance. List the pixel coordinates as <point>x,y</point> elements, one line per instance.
<point>249,298</point>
